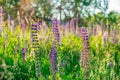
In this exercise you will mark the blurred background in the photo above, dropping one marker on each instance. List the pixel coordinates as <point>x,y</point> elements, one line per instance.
<point>88,11</point>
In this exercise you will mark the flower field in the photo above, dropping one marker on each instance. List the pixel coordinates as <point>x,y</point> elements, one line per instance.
<point>59,40</point>
<point>82,53</point>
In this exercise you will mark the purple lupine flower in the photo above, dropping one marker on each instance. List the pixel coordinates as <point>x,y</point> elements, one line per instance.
<point>53,59</point>
<point>35,46</point>
<point>53,52</point>
<point>84,56</point>
<point>38,24</point>
<point>34,25</point>
<point>85,52</point>
<point>82,59</point>
<point>34,28</point>
<point>55,30</point>
<point>83,31</point>
<point>54,25</point>
<point>57,36</point>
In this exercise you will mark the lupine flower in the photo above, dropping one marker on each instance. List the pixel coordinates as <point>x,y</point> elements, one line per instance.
<point>9,20</point>
<point>35,46</point>
<point>53,58</point>
<point>108,29</point>
<point>55,30</point>
<point>44,28</point>
<point>54,25</point>
<point>23,25</point>
<point>85,48</point>
<point>114,37</point>
<point>105,36</point>
<point>12,25</point>
<point>1,16</point>
<point>77,19</point>
<point>85,51</point>
<point>102,30</point>
<point>65,28</point>
<point>72,25</point>
<point>94,31</point>
<point>53,52</point>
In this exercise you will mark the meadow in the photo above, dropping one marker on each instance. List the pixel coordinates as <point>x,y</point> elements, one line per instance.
<point>18,59</point>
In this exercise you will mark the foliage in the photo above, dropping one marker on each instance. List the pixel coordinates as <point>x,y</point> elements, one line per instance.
<point>47,9</point>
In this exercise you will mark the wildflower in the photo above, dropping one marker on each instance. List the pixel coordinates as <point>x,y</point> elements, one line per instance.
<point>101,27</point>
<point>72,25</point>
<point>105,36</point>
<point>35,46</point>
<point>56,41</point>
<point>55,30</point>
<point>53,59</point>
<point>12,25</point>
<point>77,19</point>
<point>94,31</point>
<point>9,20</point>
<point>85,51</point>
<point>114,40</point>
<point>23,25</point>
<point>1,16</point>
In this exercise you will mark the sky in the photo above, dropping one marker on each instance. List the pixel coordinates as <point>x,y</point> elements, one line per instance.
<point>114,5</point>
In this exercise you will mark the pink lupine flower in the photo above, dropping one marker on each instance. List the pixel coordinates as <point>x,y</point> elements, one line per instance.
<point>105,36</point>
<point>23,26</point>
<point>114,40</point>
<point>9,20</point>
<point>1,16</point>
<point>72,25</point>
<point>94,31</point>
<point>77,19</point>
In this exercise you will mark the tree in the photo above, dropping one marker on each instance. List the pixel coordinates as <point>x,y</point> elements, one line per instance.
<point>47,9</point>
